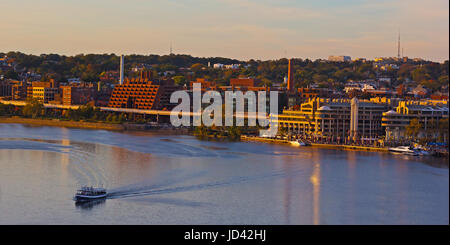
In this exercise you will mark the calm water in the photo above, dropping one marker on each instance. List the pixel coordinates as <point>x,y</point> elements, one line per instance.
<point>172,179</point>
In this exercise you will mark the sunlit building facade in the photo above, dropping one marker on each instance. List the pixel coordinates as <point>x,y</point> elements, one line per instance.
<point>428,115</point>
<point>338,120</point>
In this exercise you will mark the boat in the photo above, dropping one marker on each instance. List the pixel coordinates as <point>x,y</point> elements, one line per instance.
<point>299,142</point>
<point>86,193</point>
<point>421,150</point>
<point>404,150</point>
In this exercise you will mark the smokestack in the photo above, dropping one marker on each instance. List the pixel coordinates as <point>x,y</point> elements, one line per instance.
<point>398,45</point>
<point>122,62</point>
<point>290,84</point>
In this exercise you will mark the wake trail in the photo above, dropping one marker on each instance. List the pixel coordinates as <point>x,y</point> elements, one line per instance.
<point>215,184</point>
<point>171,178</point>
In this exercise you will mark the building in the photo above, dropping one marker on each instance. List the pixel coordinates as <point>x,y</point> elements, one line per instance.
<point>44,94</point>
<point>242,82</point>
<point>204,84</point>
<point>232,66</point>
<point>5,89</point>
<point>43,91</point>
<point>19,90</point>
<point>109,76</point>
<point>74,80</point>
<point>141,93</point>
<point>341,58</point>
<point>338,120</point>
<point>427,113</point>
<point>218,66</point>
<point>77,95</point>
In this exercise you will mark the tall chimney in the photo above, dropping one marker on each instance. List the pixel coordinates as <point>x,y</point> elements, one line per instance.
<point>290,83</point>
<point>122,63</point>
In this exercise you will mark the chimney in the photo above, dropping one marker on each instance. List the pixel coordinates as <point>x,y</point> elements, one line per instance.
<point>290,83</point>
<point>122,62</point>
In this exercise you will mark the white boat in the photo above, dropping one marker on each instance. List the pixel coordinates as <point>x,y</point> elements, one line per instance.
<point>299,143</point>
<point>89,193</point>
<point>404,150</point>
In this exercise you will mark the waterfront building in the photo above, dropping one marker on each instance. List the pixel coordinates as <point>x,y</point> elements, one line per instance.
<point>335,120</point>
<point>428,114</point>
<point>141,93</point>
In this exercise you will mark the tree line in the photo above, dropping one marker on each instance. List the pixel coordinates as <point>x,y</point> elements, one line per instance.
<point>89,67</point>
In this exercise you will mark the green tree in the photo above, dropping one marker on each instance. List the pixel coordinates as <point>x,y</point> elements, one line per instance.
<point>33,108</point>
<point>179,80</point>
<point>413,129</point>
<point>443,129</point>
<point>11,74</point>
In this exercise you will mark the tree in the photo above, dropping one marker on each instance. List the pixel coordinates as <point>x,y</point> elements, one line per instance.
<point>443,129</point>
<point>179,80</point>
<point>413,129</point>
<point>420,75</point>
<point>197,67</point>
<point>11,74</point>
<point>7,110</point>
<point>33,108</point>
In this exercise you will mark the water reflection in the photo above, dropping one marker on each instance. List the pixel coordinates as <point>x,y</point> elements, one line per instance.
<point>315,181</point>
<point>89,205</point>
<point>156,179</point>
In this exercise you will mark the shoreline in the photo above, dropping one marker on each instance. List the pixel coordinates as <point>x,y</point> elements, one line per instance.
<point>328,146</point>
<point>62,123</point>
<point>132,128</point>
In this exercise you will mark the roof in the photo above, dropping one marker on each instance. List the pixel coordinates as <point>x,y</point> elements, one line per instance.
<point>324,108</point>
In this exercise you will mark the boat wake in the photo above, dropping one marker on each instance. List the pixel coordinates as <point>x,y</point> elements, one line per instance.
<point>162,188</point>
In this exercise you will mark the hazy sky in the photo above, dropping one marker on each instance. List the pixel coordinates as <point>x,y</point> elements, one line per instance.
<point>243,29</point>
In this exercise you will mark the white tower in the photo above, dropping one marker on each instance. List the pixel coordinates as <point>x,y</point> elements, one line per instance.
<point>122,63</point>
<point>354,119</point>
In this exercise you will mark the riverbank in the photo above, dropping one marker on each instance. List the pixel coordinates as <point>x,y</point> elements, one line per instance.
<point>142,128</point>
<point>129,127</point>
<point>62,123</point>
<point>329,146</point>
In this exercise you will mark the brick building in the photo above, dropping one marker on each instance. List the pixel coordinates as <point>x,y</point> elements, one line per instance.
<point>242,82</point>
<point>72,95</point>
<point>141,93</point>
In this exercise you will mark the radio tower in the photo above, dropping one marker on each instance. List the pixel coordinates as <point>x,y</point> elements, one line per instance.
<point>398,45</point>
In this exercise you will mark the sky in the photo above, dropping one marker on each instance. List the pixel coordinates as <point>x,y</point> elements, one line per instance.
<point>241,29</point>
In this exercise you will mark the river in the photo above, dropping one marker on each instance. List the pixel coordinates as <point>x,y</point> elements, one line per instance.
<point>157,178</point>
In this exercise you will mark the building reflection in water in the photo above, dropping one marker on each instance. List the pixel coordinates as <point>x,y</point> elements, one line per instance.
<point>351,166</point>
<point>128,163</point>
<point>287,190</point>
<point>315,181</point>
<point>307,198</point>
